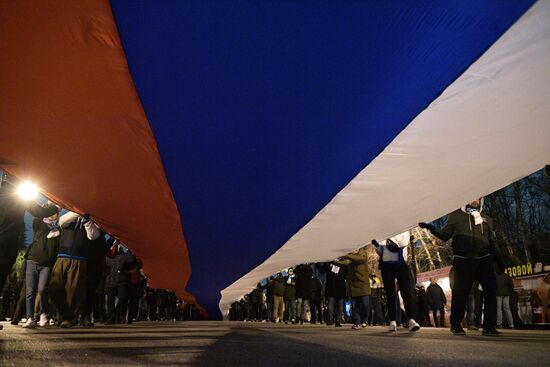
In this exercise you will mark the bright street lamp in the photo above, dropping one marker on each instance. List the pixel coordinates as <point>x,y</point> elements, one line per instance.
<point>27,191</point>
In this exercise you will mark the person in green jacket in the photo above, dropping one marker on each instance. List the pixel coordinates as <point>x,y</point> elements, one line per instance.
<point>358,283</point>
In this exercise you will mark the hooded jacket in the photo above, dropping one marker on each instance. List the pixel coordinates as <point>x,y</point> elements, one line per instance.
<point>469,239</point>
<point>357,273</point>
<point>402,241</point>
<point>43,250</point>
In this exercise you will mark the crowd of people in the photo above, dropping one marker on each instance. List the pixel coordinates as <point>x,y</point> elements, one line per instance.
<point>320,292</point>
<point>73,271</point>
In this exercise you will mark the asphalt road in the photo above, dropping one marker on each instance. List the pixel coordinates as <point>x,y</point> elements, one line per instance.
<point>212,343</point>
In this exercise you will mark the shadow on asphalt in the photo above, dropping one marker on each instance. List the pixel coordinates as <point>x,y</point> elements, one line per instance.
<point>258,345</point>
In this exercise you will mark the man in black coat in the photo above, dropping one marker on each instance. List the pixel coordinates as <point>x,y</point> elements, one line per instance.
<point>304,277</point>
<point>116,283</point>
<point>437,302</point>
<point>94,275</point>
<point>335,291</point>
<point>475,253</point>
<point>316,300</point>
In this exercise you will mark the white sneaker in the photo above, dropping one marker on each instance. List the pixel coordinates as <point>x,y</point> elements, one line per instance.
<point>393,326</point>
<point>413,325</point>
<point>43,320</point>
<point>29,324</point>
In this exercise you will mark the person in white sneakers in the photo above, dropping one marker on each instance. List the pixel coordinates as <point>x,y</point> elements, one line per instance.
<point>40,256</point>
<point>393,265</point>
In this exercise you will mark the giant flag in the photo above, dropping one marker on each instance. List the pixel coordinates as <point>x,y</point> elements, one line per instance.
<point>226,140</point>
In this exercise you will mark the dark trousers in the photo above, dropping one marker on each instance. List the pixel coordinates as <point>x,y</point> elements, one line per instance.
<point>316,311</point>
<point>439,322</point>
<point>118,313</point>
<point>376,317</point>
<point>466,271</point>
<point>133,302</point>
<point>257,312</point>
<point>5,270</point>
<point>91,297</point>
<point>20,308</point>
<point>335,313</point>
<point>359,307</point>
<point>401,273</point>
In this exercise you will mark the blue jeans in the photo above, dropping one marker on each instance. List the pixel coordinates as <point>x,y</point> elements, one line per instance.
<point>36,281</point>
<point>335,316</point>
<point>302,305</point>
<point>290,305</point>
<point>359,305</point>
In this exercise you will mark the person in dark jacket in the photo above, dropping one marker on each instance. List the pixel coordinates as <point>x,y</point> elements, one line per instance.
<point>116,282</point>
<point>12,211</point>
<point>394,267</point>
<point>269,298</point>
<point>423,313</point>
<point>135,289</point>
<point>68,279</point>
<point>474,253</point>
<point>41,256</point>
<point>290,296</point>
<point>95,271</point>
<point>316,300</point>
<point>358,283</point>
<point>257,303</point>
<point>437,302</point>
<point>376,316</point>
<point>505,288</point>
<point>278,298</point>
<point>335,291</point>
<point>304,277</point>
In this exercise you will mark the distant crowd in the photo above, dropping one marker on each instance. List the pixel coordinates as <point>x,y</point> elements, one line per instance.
<point>389,295</point>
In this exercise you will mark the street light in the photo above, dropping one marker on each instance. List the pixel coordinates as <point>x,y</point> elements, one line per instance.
<point>27,191</point>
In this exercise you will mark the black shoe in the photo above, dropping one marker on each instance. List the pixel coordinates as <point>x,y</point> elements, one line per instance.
<point>491,331</point>
<point>457,330</point>
<point>338,324</point>
<point>66,324</point>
